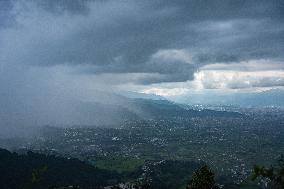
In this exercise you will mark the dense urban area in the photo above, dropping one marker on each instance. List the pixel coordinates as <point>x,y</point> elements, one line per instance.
<point>165,151</point>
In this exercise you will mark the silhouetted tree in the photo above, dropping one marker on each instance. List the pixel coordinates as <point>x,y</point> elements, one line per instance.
<point>272,177</point>
<point>202,178</point>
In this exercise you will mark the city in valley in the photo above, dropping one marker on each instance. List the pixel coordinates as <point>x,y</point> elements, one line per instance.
<point>152,94</point>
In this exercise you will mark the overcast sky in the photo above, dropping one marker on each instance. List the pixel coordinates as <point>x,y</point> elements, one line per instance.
<point>56,51</point>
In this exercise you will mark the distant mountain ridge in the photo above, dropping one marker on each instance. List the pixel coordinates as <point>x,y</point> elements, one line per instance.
<point>130,94</point>
<point>273,97</point>
<point>112,110</point>
<point>141,109</point>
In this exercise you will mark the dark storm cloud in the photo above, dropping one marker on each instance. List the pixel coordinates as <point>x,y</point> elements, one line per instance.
<point>116,45</point>
<point>122,36</point>
<point>6,19</point>
<point>58,7</point>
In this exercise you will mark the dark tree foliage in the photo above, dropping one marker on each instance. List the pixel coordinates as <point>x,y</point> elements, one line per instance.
<point>38,171</point>
<point>166,174</point>
<point>272,176</point>
<point>203,178</point>
<point>169,174</point>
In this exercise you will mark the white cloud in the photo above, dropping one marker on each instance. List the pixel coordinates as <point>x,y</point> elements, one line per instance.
<point>165,91</point>
<point>246,74</point>
<point>253,75</point>
<point>250,65</point>
<point>220,79</point>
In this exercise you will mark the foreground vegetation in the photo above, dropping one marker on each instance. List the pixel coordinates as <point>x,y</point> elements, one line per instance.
<point>38,171</point>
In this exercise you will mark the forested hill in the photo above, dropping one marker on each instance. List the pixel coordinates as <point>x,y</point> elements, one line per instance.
<point>38,171</point>
<point>167,109</point>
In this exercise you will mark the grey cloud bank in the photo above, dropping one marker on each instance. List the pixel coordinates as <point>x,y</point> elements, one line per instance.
<point>122,36</point>
<point>55,53</point>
